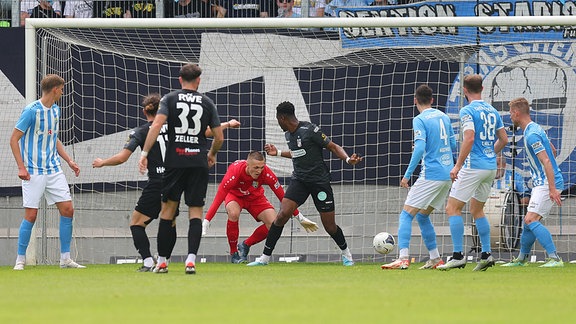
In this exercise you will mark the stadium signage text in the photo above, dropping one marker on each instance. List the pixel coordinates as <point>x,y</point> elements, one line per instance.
<point>438,36</point>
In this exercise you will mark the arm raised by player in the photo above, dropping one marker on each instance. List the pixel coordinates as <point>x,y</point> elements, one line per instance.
<point>232,123</point>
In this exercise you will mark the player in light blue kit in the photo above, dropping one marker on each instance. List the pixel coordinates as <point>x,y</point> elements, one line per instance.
<point>545,193</point>
<point>483,138</point>
<point>38,151</point>
<point>434,142</point>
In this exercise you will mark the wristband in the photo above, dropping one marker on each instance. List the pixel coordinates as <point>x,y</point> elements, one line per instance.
<point>278,152</point>
<point>348,160</point>
<point>144,154</point>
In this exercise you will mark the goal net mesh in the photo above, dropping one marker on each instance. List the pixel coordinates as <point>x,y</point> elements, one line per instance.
<point>358,88</point>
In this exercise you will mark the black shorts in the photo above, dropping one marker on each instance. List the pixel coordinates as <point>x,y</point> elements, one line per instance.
<point>193,182</point>
<point>150,201</point>
<point>322,194</point>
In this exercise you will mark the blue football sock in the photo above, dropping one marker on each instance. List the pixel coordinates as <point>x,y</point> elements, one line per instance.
<point>404,230</point>
<point>65,233</point>
<point>427,230</point>
<point>457,232</point>
<point>544,237</point>
<point>24,235</point>
<point>483,228</point>
<point>527,239</point>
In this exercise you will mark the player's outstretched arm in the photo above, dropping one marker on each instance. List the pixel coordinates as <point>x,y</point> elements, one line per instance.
<point>116,159</point>
<point>340,153</point>
<point>232,123</point>
<point>273,151</point>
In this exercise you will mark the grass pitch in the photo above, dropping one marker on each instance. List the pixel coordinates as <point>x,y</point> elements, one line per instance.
<point>286,293</point>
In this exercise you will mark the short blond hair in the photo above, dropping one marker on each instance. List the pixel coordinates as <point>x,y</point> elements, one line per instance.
<point>521,105</point>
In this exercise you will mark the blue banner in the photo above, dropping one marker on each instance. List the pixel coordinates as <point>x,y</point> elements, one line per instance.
<point>362,37</point>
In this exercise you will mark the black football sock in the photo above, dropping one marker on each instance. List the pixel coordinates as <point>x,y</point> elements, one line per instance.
<point>274,234</point>
<point>194,235</point>
<point>141,242</point>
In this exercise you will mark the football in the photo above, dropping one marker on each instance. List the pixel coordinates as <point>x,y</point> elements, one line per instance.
<point>384,243</point>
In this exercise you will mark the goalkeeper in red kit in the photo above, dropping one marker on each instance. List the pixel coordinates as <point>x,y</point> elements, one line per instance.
<point>241,188</point>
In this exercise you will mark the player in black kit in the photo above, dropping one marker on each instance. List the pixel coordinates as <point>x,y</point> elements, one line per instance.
<point>311,176</point>
<point>149,204</point>
<point>188,157</point>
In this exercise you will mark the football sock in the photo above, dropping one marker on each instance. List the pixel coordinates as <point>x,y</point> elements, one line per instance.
<point>141,241</point>
<point>191,258</point>
<point>257,236</point>
<point>346,252</point>
<point>404,253</point>
<point>434,254</point>
<point>194,235</point>
<point>24,235</point>
<point>273,237</point>
<point>544,237</point>
<point>232,232</point>
<point>339,238</point>
<point>164,237</point>
<point>457,232</point>
<point>527,239</point>
<point>404,230</point>
<point>428,232</point>
<point>483,228</point>
<point>171,239</point>
<point>149,262</point>
<point>162,259</point>
<point>65,233</point>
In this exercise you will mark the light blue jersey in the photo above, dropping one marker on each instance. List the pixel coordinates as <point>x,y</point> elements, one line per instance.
<point>485,121</point>
<point>536,141</point>
<point>434,142</point>
<point>38,144</point>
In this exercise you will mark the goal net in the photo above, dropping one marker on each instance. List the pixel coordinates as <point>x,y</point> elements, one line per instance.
<point>354,77</point>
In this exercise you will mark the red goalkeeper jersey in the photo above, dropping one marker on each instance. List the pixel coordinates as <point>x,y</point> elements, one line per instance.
<point>240,184</point>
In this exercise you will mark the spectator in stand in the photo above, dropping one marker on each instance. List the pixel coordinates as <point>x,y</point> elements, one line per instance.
<point>249,8</point>
<point>193,9</point>
<point>330,9</point>
<point>315,7</point>
<point>285,9</point>
<point>78,9</point>
<point>39,9</point>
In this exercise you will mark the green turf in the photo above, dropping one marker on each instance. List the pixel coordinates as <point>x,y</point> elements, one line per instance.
<point>286,293</point>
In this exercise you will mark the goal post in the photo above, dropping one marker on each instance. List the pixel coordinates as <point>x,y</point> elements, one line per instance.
<point>353,76</point>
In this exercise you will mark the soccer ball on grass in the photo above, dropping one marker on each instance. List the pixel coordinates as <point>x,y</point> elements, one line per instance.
<point>384,243</point>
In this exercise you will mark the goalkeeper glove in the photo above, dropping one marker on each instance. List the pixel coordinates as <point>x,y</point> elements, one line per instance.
<point>308,225</point>
<point>205,225</point>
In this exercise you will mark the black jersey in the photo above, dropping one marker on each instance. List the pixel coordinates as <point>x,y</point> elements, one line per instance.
<point>189,113</point>
<point>306,144</point>
<point>155,156</point>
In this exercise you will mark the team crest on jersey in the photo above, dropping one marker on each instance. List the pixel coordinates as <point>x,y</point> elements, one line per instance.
<point>543,74</point>
<point>299,142</point>
<point>417,133</point>
<point>255,184</point>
